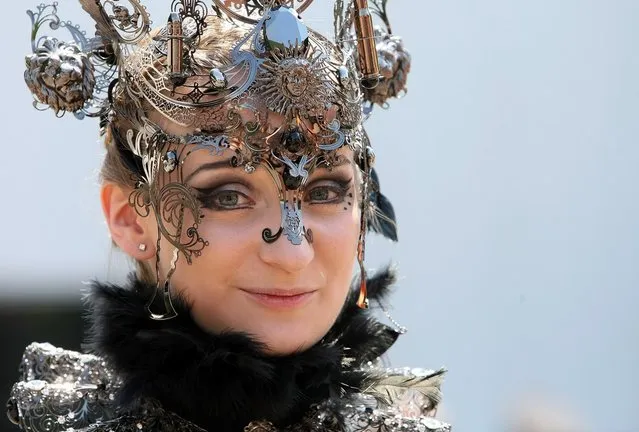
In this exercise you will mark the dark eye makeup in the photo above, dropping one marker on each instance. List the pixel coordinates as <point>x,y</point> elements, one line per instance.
<point>234,194</point>
<point>327,191</point>
<point>224,197</point>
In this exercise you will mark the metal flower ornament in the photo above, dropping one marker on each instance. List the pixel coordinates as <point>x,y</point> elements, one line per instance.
<point>60,75</point>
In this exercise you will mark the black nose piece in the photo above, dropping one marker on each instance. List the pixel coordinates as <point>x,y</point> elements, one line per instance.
<point>291,183</point>
<point>294,141</point>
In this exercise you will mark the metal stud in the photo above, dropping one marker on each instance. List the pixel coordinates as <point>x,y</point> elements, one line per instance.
<point>218,79</point>
<point>170,161</point>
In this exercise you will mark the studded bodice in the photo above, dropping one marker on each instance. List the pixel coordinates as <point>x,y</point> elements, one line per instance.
<point>63,390</point>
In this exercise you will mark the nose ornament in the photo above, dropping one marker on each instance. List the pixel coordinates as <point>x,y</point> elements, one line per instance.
<point>292,225</point>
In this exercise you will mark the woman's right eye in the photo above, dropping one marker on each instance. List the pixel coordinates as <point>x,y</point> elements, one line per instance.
<point>225,199</point>
<point>228,198</point>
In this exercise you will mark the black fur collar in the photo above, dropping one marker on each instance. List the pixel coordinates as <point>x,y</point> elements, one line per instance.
<point>223,382</point>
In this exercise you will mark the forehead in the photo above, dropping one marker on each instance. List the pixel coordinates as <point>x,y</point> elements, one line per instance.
<point>193,156</point>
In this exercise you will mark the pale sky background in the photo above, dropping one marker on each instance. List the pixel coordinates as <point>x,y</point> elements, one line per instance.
<point>512,165</point>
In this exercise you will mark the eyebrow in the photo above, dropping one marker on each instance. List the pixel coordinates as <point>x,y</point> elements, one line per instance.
<point>323,168</point>
<point>210,166</point>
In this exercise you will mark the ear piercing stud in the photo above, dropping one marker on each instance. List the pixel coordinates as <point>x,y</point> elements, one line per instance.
<point>142,247</point>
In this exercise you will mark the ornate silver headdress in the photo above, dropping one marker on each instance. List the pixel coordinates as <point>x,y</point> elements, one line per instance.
<point>321,90</point>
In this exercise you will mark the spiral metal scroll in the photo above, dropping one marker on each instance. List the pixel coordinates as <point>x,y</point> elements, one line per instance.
<point>117,22</point>
<point>171,203</point>
<point>49,14</point>
<point>173,200</point>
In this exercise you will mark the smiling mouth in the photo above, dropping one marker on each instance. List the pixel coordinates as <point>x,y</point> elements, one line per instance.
<point>280,299</point>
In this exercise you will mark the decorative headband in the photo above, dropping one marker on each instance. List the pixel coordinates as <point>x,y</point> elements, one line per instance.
<point>281,96</point>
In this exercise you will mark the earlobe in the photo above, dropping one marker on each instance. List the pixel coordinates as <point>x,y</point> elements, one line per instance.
<point>128,229</point>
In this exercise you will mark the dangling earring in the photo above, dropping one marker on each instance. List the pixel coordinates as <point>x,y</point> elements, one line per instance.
<point>170,311</point>
<point>362,301</point>
<point>369,161</point>
<point>168,304</point>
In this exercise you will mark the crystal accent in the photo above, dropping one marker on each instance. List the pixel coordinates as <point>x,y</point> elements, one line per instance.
<point>218,79</point>
<point>285,29</point>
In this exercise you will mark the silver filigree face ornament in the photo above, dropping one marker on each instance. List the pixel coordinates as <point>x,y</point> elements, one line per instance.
<point>289,164</point>
<point>296,81</point>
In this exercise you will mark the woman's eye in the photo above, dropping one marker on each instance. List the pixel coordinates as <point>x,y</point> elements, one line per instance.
<point>224,200</point>
<point>228,198</point>
<point>328,194</point>
<point>319,194</point>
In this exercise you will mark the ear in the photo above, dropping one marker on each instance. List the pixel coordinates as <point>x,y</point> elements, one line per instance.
<point>128,229</point>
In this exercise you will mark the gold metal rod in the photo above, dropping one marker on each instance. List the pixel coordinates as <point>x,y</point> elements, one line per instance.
<point>366,46</point>
<point>175,43</point>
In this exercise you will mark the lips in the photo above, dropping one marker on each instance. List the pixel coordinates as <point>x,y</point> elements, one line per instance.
<point>278,292</point>
<point>280,298</point>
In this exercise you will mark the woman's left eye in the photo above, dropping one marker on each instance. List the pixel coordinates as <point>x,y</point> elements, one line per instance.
<point>328,193</point>
<point>321,193</point>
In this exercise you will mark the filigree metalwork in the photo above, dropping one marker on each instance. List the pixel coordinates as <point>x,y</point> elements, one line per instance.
<point>250,11</point>
<point>343,16</point>
<point>117,23</point>
<point>198,100</point>
<point>140,200</point>
<point>215,145</point>
<point>195,10</point>
<point>59,74</point>
<point>171,204</point>
<point>292,225</point>
<point>49,14</point>
<point>292,222</point>
<point>123,19</point>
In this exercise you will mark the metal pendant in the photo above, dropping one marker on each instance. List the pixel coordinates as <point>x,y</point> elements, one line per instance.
<point>292,225</point>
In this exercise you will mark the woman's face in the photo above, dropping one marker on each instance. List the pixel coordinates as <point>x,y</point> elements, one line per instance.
<point>284,295</point>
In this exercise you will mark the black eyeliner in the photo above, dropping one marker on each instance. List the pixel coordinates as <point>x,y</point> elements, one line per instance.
<point>340,187</point>
<point>207,197</point>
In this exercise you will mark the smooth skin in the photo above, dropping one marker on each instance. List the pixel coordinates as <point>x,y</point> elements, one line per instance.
<point>285,296</point>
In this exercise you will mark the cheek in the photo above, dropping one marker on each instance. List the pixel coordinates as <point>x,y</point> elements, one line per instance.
<point>204,282</point>
<point>229,245</point>
<point>335,243</point>
<point>208,282</point>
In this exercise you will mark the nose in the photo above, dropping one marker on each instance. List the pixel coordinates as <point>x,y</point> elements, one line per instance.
<point>286,256</point>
